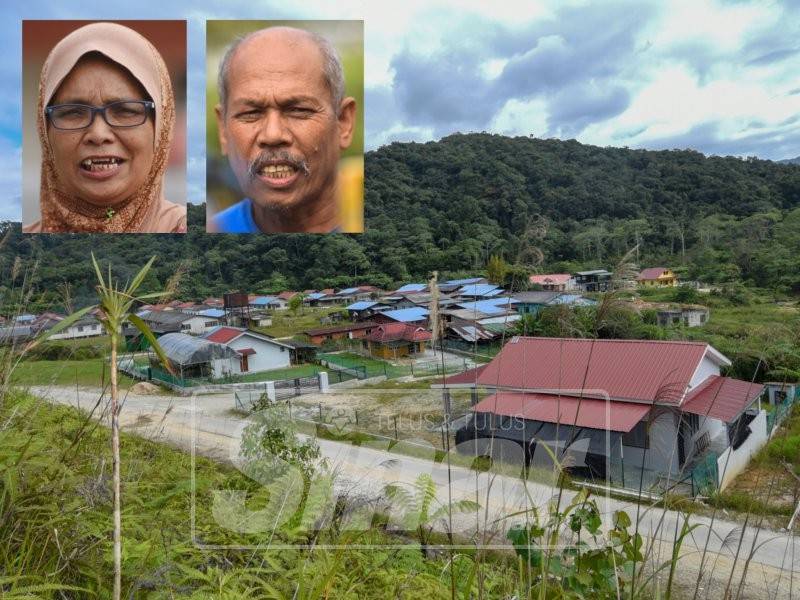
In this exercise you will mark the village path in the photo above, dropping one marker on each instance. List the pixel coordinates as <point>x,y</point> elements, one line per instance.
<point>215,429</point>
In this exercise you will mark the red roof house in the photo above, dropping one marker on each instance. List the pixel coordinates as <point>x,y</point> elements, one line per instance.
<point>659,404</point>
<point>393,340</point>
<point>555,282</point>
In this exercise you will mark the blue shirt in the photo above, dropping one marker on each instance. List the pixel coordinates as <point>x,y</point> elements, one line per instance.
<point>239,219</point>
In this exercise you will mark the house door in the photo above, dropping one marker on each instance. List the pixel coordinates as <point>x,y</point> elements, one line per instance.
<point>244,364</point>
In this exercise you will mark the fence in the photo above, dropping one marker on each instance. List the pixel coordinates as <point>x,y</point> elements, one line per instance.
<point>147,373</point>
<point>781,411</point>
<point>274,391</point>
<point>704,477</point>
<point>364,367</point>
<point>485,350</point>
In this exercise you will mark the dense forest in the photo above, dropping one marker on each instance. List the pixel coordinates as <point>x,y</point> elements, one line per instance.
<point>542,205</point>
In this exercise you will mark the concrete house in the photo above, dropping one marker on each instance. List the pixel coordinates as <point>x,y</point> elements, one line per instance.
<point>598,280</point>
<point>637,409</point>
<point>256,352</point>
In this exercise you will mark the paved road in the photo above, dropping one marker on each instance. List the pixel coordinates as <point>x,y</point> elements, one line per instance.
<point>208,423</point>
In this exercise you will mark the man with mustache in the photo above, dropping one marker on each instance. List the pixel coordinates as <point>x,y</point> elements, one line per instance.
<point>283,121</point>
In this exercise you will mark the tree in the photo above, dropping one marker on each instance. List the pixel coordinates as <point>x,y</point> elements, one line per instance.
<point>295,303</point>
<point>116,306</point>
<point>496,269</point>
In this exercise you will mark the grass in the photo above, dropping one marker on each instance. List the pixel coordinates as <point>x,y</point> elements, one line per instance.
<point>305,370</point>
<point>285,324</point>
<point>766,486</point>
<point>57,521</point>
<point>87,373</point>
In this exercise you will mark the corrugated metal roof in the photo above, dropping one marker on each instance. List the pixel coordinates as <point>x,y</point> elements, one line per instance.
<point>465,281</point>
<point>215,313</point>
<point>721,398</point>
<point>364,305</point>
<point>552,278</point>
<point>316,296</point>
<point>412,287</point>
<point>565,410</point>
<point>263,300</point>
<point>407,315</point>
<point>464,314</point>
<point>651,273</point>
<point>468,376</point>
<point>480,289</point>
<point>185,349</point>
<point>472,333</point>
<point>536,297</point>
<point>390,332</point>
<point>223,334</point>
<point>489,307</point>
<point>339,328</point>
<point>348,291</point>
<point>573,300</point>
<point>640,370</point>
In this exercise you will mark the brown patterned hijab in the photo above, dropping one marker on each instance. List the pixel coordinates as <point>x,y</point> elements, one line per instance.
<point>146,209</point>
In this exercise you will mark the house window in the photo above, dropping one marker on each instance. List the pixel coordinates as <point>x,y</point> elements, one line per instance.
<point>185,327</point>
<point>80,328</point>
<point>637,437</point>
<point>703,318</point>
<point>209,323</point>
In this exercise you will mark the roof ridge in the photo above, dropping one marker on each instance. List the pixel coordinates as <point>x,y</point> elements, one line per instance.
<point>681,342</point>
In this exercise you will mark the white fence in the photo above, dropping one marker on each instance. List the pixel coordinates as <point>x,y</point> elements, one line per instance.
<point>732,462</point>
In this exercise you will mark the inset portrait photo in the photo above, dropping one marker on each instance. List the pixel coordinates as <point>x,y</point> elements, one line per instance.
<point>285,126</point>
<point>104,127</point>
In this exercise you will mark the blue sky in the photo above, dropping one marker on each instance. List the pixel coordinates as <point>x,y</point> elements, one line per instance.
<point>720,77</point>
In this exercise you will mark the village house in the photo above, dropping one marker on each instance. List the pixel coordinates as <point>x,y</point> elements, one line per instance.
<point>257,352</point>
<point>354,294</point>
<point>257,318</point>
<point>533,302</point>
<point>688,315</point>
<point>454,284</point>
<point>411,316</point>
<point>172,321</point>
<point>391,341</point>
<point>191,357</point>
<point>657,277</point>
<point>87,326</point>
<point>411,288</point>
<point>364,309</point>
<point>636,408</point>
<point>348,331</point>
<point>554,282</point>
<point>598,280</point>
<point>478,291</point>
<point>11,335</point>
<point>473,333</point>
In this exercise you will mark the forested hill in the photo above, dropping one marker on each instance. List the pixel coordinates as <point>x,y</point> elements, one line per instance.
<point>450,205</point>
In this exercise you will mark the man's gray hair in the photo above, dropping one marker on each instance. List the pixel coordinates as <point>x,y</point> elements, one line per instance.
<point>331,66</point>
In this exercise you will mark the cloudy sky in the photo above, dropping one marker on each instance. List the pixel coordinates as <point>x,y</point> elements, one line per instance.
<point>720,77</point>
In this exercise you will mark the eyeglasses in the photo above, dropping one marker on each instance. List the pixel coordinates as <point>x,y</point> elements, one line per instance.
<point>126,113</point>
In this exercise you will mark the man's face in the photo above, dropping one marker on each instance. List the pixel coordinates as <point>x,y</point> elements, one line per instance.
<point>279,129</point>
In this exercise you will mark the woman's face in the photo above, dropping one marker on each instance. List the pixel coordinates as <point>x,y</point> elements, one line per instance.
<point>82,156</point>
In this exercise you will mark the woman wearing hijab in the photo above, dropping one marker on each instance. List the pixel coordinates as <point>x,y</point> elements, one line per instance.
<point>105,119</point>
